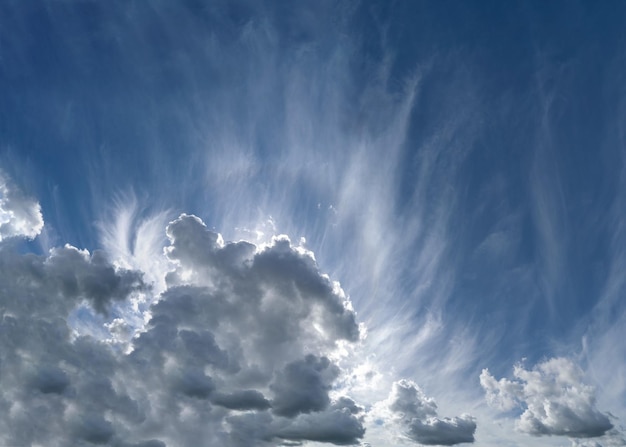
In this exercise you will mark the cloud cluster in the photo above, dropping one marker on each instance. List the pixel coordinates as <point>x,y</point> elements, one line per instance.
<point>236,351</point>
<point>20,215</point>
<point>554,398</point>
<point>416,415</point>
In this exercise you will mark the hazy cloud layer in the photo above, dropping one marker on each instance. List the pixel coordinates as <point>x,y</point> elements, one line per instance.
<point>554,399</point>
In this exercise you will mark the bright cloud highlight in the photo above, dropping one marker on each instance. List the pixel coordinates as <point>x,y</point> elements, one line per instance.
<point>20,215</point>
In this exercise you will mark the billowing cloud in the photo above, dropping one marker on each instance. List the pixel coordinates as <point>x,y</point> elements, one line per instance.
<point>554,399</point>
<point>416,415</point>
<point>20,215</point>
<point>339,424</point>
<point>236,351</point>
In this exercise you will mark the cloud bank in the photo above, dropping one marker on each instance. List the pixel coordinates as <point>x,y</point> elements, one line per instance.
<point>235,351</point>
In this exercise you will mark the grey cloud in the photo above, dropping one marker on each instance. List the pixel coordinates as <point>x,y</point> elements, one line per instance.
<point>150,443</point>
<point>417,415</point>
<point>444,431</point>
<point>235,352</point>
<point>407,399</point>
<point>202,347</point>
<point>296,274</point>
<point>54,285</point>
<point>336,426</point>
<point>554,397</point>
<point>303,386</point>
<point>346,404</point>
<point>241,400</point>
<point>78,274</point>
<point>51,380</point>
<point>94,429</point>
<point>250,429</point>
<point>195,384</point>
<point>277,294</point>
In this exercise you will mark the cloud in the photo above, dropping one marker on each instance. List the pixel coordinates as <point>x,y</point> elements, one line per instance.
<point>416,415</point>
<point>236,351</point>
<point>553,397</point>
<point>337,425</point>
<point>302,386</point>
<point>241,400</point>
<point>20,215</point>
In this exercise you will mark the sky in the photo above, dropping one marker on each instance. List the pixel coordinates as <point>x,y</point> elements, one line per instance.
<point>276,223</point>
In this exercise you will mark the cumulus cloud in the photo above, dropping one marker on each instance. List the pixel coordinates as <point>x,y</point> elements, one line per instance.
<point>339,424</point>
<point>416,415</point>
<point>554,399</point>
<point>20,215</point>
<point>236,351</point>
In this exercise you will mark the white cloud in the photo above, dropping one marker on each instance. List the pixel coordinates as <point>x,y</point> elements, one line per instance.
<point>553,397</point>
<point>20,215</point>
<point>416,416</point>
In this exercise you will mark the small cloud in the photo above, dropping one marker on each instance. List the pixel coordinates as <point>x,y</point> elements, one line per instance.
<point>416,415</point>
<point>554,399</point>
<point>20,215</point>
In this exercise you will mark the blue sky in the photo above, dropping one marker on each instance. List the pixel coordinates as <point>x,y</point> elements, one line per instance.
<point>458,167</point>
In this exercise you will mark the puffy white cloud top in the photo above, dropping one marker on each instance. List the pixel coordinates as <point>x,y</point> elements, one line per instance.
<point>20,215</point>
<point>554,399</point>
